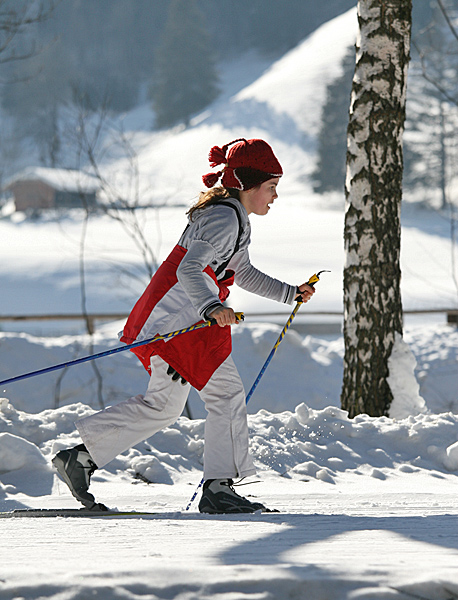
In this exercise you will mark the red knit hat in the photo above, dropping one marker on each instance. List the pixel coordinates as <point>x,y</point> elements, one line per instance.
<point>247,164</point>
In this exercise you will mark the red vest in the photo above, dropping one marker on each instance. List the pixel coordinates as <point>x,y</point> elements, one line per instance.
<point>195,355</point>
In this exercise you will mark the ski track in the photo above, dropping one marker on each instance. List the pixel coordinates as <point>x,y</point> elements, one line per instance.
<point>142,558</point>
<point>324,544</point>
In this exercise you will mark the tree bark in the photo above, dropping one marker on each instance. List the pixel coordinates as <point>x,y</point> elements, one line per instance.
<point>372,298</point>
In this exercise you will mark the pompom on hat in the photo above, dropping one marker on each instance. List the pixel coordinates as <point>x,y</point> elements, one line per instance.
<point>247,163</point>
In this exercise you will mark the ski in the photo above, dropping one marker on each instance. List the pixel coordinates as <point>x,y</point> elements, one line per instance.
<point>92,514</point>
<point>72,512</point>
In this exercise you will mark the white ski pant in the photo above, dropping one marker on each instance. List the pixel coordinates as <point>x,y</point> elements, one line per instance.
<point>226,455</point>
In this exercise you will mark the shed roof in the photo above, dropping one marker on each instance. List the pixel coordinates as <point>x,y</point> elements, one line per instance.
<point>64,180</point>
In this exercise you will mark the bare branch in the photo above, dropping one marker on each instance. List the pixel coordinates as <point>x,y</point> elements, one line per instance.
<point>15,21</point>
<point>447,19</point>
<point>440,88</point>
<point>94,146</point>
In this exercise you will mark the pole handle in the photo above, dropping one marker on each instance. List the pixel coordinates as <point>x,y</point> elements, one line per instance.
<point>311,282</point>
<point>238,315</point>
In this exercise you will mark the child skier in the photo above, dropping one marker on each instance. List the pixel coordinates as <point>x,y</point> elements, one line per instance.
<point>190,285</point>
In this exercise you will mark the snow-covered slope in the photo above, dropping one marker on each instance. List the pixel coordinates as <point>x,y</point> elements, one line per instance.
<point>296,85</point>
<point>283,106</point>
<point>303,233</point>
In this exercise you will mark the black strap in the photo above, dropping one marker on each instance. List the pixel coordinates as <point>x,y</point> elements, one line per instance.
<point>223,266</point>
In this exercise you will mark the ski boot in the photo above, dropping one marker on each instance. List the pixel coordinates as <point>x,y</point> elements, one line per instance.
<point>219,497</point>
<point>75,466</point>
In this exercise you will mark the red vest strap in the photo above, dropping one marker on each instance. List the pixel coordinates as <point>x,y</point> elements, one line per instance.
<point>195,355</point>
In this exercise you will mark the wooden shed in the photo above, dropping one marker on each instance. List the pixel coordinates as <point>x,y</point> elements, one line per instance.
<point>41,188</point>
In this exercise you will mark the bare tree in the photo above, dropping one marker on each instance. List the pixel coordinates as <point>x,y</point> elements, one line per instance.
<point>16,17</point>
<point>437,49</point>
<point>84,311</point>
<point>95,137</point>
<point>372,299</point>
<point>91,136</point>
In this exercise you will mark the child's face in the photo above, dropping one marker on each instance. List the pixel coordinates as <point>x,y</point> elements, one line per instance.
<point>258,199</point>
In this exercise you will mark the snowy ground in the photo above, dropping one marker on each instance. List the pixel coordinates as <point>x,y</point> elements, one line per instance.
<point>382,544</point>
<point>368,507</point>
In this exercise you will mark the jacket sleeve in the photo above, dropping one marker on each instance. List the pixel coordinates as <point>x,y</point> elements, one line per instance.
<point>210,242</point>
<point>251,279</point>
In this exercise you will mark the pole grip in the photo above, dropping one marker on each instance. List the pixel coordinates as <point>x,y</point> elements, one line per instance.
<point>238,315</point>
<point>311,282</point>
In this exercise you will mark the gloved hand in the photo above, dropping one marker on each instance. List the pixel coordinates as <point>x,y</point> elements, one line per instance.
<point>175,375</point>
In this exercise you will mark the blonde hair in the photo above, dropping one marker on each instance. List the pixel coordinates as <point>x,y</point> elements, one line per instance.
<point>212,196</point>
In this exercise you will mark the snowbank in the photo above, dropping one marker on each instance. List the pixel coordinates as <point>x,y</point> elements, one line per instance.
<point>305,369</point>
<point>297,427</point>
<point>402,381</point>
<point>305,444</point>
<point>297,430</point>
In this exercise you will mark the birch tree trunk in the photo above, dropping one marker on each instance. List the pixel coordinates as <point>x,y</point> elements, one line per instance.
<point>372,299</point>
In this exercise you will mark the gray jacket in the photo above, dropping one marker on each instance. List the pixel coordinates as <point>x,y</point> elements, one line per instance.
<point>210,239</point>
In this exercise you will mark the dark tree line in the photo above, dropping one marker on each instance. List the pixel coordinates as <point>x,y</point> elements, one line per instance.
<point>186,79</point>
<point>114,53</point>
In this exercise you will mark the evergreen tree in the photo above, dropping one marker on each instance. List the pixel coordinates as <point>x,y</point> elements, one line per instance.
<point>34,102</point>
<point>329,174</point>
<point>185,76</point>
<point>107,46</point>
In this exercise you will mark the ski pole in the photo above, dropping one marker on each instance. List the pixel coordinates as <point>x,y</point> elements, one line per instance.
<point>239,315</point>
<point>313,279</point>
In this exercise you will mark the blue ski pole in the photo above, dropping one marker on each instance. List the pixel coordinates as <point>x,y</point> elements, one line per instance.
<point>77,361</point>
<point>313,279</point>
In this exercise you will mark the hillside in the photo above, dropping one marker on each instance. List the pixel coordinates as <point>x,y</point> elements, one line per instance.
<point>303,233</point>
<point>282,105</point>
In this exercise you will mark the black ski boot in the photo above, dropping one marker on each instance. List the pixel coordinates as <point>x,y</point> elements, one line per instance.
<point>76,466</point>
<point>219,497</point>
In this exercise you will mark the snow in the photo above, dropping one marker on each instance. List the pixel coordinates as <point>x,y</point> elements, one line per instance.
<point>60,179</point>
<point>368,506</point>
<point>298,70</point>
<point>402,381</point>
